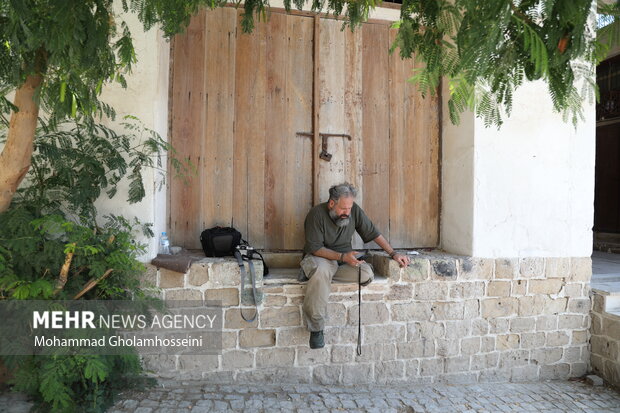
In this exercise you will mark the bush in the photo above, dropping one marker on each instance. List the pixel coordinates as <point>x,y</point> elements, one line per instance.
<point>51,247</point>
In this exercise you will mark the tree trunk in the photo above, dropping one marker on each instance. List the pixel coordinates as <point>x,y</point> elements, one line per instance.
<point>15,157</point>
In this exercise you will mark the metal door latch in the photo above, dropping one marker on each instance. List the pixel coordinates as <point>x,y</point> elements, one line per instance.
<point>325,155</point>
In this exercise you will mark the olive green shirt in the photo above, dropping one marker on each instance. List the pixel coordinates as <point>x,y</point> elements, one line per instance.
<point>322,231</point>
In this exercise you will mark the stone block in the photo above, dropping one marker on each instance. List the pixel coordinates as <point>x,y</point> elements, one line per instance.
<point>418,270</point>
<point>581,269</point>
<point>470,345</point>
<point>506,268</point>
<point>602,346</point>
<point>428,329</point>
<point>357,373</point>
<point>272,300</point>
<point>227,296</point>
<point>472,309</point>
<point>198,362</point>
<point>499,307</point>
<point>233,319</point>
<point>456,364</point>
<point>544,356</point>
<point>184,295</point>
<point>294,336</point>
<point>444,269</point>
<point>479,327</point>
<point>295,289</point>
<point>448,310</point>
<point>431,367</point>
<point>524,373</point>
<point>312,357</point>
<point>598,303</point>
<point>372,313</point>
<point>254,337</point>
<point>574,290</point>
<point>546,322</point>
<point>389,371</point>
<point>508,341</point>
<point>400,292</point>
<point>148,279</point>
<point>475,268</point>
<point>457,378</point>
<point>412,369</point>
<point>198,274</point>
<point>237,359</point>
<point>522,324</point>
<point>494,376</point>
<point>295,300</point>
<point>498,288</point>
<point>415,349</point>
<point>484,361</point>
<point>411,311</point>
<point>555,372</point>
<point>532,305</point>
<point>579,337</point>
<point>229,339</point>
<point>457,329</point>
<point>513,358</point>
<point>570,321</point>
<point>572,355</point>
<point>473,289</point>
<point>557,338</point>
<point>594,380</point>
<point>596,323</point>
<point>431,291</point>
<point>555,306</point>
<point>487,344</point>
<point>499,325</point>
<point>519,287</point>
<point>226,273</point>
<point>326,374</point>
<point>387,267</point>
<point>159,362</point>
<point>384,333</point>
<point>281,316</point>
<point>275,375</point>
<point>578,369</point>
<point>557,267</point>
<point>531,267</point>
<point>170,279</point>
<point>447,348</point>
<point>376,352</point>
<point>548,286</point>
<point>274,357</point>
<point>611,327</point>
<point>342,353</point>
<point>532,340</point>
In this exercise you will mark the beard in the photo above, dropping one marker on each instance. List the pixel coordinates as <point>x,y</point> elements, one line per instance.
<point>339,220</point>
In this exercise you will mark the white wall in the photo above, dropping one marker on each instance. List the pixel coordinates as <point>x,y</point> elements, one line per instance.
<point>532,184</point>
<point>146,97</point>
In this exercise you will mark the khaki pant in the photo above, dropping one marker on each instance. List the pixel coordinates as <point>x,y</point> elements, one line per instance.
<point>321,272</point>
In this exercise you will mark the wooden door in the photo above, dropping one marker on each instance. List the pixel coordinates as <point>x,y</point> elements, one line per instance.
<point>238,102</point>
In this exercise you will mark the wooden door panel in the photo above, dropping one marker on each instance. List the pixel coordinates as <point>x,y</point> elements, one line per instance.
<point>238,101</point>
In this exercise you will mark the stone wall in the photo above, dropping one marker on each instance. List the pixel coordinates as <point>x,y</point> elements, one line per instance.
<point>444,318</point>
<point>605,340</point>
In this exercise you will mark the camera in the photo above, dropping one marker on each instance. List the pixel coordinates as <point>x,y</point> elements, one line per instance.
<point>246,250</point>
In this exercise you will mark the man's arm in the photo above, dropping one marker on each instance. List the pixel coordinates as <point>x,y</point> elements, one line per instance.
<point>347,257</point>
<point>402,260</point>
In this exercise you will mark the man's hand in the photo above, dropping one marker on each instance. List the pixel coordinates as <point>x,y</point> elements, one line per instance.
<point>350,259</point>
<point>401,259</point>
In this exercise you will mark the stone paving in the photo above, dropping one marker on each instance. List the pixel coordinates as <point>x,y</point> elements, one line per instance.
<point>192,397</point>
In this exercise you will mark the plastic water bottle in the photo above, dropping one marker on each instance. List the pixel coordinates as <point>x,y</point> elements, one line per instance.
<point>164,244</point>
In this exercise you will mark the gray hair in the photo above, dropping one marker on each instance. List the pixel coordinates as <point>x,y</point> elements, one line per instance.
<point>344,189</point>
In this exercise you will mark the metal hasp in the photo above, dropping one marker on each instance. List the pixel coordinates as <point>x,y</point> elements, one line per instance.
<point>326,156</point>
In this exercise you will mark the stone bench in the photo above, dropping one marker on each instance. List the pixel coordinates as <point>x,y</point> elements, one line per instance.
<point>444,318</point>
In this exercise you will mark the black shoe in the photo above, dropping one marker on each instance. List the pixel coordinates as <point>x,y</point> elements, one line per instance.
<point>316,339</point>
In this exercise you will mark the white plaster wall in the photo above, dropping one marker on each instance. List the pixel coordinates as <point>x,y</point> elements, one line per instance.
<point>534,182</point>
<point>146,97</point>
<point>457,181</point>
<point>531,183</point>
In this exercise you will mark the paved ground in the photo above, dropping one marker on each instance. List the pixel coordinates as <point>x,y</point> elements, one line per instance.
<point>605,271</point>
<point>565,396</point>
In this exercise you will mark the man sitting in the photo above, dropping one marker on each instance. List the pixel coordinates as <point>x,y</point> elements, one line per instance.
<point>329,256</point>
